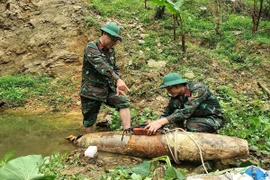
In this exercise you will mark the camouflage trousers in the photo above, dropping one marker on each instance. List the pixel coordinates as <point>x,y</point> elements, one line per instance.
<point>90,107</point>
<point>201,124</point>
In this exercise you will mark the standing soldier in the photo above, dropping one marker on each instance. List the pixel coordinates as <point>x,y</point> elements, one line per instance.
<point>191,102</point>
<point>101,80</point>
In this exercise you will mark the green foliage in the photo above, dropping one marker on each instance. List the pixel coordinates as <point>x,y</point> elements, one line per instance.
<point>90,21</point>
<point>116,121</point>
<point>234,22</point>
<point>16,89</point>
<point>139,172</point>
<point>7,157</point>
<point>35,167</point>
<point>26,167</point>
<point>53,164</point>
<point>142,116</point>
<point>248,121</point>
<point>146,171</point>
<point>173,7</point>
<point>118,9</point>
<point>244,119</point>
<point>137,117</point>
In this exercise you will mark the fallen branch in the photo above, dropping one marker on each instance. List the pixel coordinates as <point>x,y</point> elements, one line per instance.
<point>265,29</point>
<point>264,88</point>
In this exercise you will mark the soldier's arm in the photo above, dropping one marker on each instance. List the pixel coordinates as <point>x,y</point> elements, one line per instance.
<point>115,67</point>
<point>98,61</point>
<point>167,110</point>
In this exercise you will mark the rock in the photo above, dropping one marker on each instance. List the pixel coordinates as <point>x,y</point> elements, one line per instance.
<point>156,64</point>
<point>189,75</point>
<point>141,42</point>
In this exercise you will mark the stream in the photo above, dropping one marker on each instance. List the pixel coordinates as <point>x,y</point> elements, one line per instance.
<point>37,133</point>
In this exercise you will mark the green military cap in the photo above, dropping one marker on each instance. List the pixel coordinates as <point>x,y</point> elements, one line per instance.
<point>113,30</point>
<point>171,79</point>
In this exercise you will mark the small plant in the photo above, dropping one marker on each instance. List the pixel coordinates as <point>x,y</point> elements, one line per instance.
<point>174,9</point>
<point>90,22</point>
<point>53,164</point>
<point>7,157</point>
<point>147,170</point>
<point>137,118</point>
<point>116,121</point>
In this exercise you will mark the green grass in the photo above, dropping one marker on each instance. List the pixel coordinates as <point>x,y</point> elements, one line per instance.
<point>15,90</point>
<point>245,119</point>
<point>130,9</point>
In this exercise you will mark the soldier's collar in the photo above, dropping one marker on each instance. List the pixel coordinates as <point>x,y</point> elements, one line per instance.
<point>101,47</point>
<point>187,92</point>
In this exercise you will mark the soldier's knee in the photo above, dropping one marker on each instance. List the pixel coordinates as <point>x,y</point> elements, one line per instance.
<point>89,119</point>
<point>122,103</point>
<point>88,123</point>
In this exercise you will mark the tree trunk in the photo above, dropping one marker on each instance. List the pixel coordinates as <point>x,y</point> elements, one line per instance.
<point>256,16</point>
<point>182,34</point>
<point>174,26</point>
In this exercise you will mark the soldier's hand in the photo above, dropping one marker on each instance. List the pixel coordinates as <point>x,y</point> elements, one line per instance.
<point>153,126</point>
<point>121,87</point>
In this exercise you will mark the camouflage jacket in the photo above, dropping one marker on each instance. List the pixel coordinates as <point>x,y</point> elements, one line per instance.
<point>99,71</point>
<point>198,101</point>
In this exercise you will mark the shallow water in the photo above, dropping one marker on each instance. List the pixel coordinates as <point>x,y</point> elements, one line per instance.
<point>38,133</point>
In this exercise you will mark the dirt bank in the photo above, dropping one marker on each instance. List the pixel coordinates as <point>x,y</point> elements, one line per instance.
<point>41,36</point>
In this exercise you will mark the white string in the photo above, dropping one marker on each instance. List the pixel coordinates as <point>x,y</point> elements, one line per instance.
<point>174,155</point>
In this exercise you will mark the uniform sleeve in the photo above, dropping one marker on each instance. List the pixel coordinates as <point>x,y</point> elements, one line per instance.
<point>198,95</point>
<point>98,61</point>
<point>115,67</point>
<point>166,112</point>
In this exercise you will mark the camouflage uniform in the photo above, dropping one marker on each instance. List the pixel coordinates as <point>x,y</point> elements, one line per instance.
<point>198,106</point>
<point>99,76</point>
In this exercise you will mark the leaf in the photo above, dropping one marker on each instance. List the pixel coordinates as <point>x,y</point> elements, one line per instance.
<point>244,164</point>
<point>159,2</point>
<point>172,173</point>
<point>170,6</point>
<point>174,8</point>
<point>136,176</point>
<point>25,168</point>
<point>142,169</point>
<point>7,157</point>
<point>163,158</point>
<point>178,4</point>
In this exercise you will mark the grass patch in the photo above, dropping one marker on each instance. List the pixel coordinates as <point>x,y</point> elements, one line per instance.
<point>15,90</point>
